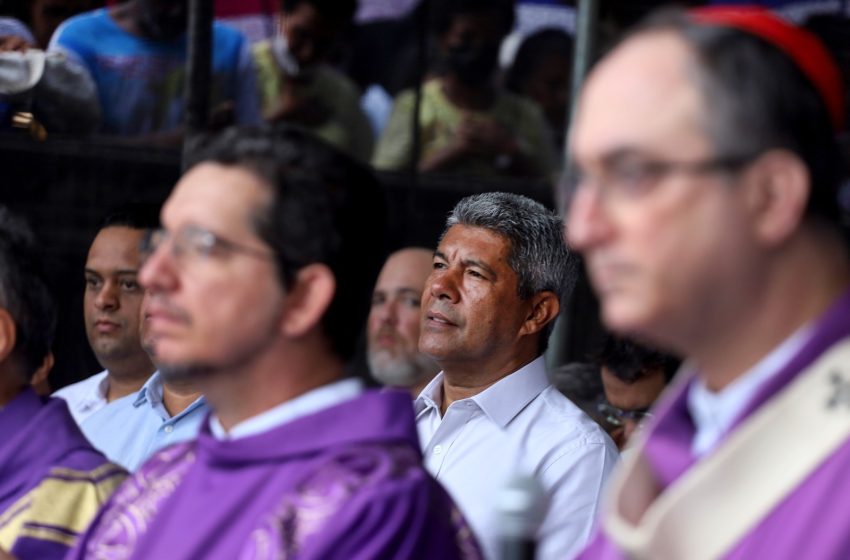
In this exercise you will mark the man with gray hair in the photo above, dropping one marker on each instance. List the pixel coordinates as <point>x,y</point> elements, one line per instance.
<point>491,414</point>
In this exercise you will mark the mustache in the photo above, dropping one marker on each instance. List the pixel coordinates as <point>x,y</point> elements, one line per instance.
<point>161,304</point>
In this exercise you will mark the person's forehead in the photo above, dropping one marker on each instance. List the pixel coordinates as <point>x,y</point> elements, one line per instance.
<point>642,96</point>
<point>485,23</point>
<point>463,242</point>
<point>406,268</point>
<point>116,242</point>
<point>628,396</point>
<point>223,198</point>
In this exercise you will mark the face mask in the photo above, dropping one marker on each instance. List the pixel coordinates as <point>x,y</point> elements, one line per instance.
<point>283,56</point>
<point>472,65</point>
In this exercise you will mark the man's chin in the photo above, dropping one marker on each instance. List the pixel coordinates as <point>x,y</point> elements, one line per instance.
<point>182,372</point>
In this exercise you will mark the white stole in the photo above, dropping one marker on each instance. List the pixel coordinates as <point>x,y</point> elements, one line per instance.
<point>711,507</point>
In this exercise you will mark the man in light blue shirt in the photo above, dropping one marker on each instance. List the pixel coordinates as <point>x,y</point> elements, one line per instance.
<point>163,412</point>
<point>128,431</point>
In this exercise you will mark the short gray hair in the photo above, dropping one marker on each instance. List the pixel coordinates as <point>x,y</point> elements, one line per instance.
<point>537,253</point>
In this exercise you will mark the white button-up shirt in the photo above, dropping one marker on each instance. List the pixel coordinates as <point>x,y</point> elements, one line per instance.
<point>85,397</point>
<point>519,425</point>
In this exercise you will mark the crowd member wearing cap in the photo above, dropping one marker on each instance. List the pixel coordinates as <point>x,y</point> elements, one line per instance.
<point>705,210</point>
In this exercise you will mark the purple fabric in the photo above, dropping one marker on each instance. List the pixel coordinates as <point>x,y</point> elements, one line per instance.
<point>345,482</point>
<point>39,435</point>
<point>812,522</point>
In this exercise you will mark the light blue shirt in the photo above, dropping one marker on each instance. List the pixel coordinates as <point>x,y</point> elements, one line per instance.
<point>131,429</point>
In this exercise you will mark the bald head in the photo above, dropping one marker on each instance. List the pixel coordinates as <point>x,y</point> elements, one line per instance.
<point>393,329</point>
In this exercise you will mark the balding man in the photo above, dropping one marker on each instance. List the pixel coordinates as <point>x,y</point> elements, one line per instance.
<point>393,354</point>
<point>706,212</point>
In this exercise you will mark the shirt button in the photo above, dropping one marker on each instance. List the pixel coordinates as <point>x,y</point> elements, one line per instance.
<point>438,449</point>
<point>168,429</point>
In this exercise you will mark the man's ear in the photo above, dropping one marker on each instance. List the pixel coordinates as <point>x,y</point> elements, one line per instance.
<point>8,335</point>
<point>307,300</point>
<point>39,379</point>
<point>544,309</point>
<point>778,195</point>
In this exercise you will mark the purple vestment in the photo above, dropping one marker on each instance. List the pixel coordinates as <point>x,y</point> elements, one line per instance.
<point>811,522</point>
<point>52,481</point>
<point>345,482</point>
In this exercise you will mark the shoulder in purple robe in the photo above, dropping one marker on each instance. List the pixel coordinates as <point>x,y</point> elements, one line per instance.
<point>346,482</point>
<point>52,481</point>
<point>813,520</point>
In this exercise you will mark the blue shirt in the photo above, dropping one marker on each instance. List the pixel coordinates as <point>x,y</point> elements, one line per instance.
<point>131,429</point>
<point>140,82</point>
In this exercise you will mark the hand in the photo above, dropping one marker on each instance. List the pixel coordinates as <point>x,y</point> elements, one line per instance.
<point>484,136</point>
<point>13,43</point>
<point>295,107</point>
<point>5,555</point>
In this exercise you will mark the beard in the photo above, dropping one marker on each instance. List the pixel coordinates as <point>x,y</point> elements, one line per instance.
<point>184,373</point>
<point>400,371</point>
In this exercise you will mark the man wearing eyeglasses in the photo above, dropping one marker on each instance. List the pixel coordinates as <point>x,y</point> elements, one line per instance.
<point>706,211</point>
<point>633,377</point>
<point>248,300</point>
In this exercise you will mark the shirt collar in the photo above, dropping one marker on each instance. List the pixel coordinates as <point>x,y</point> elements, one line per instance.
<point>308,403</point>
<point>98,392</point>
<point>714,413</point>
<point>503,400</point>
<point>151,391</point>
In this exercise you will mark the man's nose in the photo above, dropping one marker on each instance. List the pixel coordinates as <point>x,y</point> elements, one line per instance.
<point>159,271</point>
<point>107,297</point>
<point>587,221</point>
<point>443,285</point>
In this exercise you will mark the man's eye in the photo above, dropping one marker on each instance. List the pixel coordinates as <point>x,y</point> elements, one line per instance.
<point>411,302</point>
<point>92,282</point>
<point>439,265</point>
<point>475,274</point>
<point>633,177</point>
<point>130,285</point>
<point>378,299</point>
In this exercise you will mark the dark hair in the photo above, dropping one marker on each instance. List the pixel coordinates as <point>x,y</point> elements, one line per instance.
<point>443,13</point>
<point>336,12</point>
<point>757,99</point>
<point>630,361</point>
<point>538,254</point>
<point>326,208</point>
<point>534,51</point>
<point>24,293</point>
<point>135,215</point>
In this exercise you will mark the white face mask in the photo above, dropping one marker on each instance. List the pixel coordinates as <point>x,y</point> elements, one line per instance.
<point>20,72</point>
<point>285,59</point>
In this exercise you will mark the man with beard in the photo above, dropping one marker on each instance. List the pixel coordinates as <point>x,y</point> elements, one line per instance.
<point>393,353</point>
<point>136,53</point>
<point>111,307</point>
<point>467,123</point>
<point>248,299</point>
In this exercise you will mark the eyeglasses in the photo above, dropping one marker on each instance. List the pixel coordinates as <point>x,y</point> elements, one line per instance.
<point>618,417</point>
<point>628,178</point>
<point>197,242</point>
